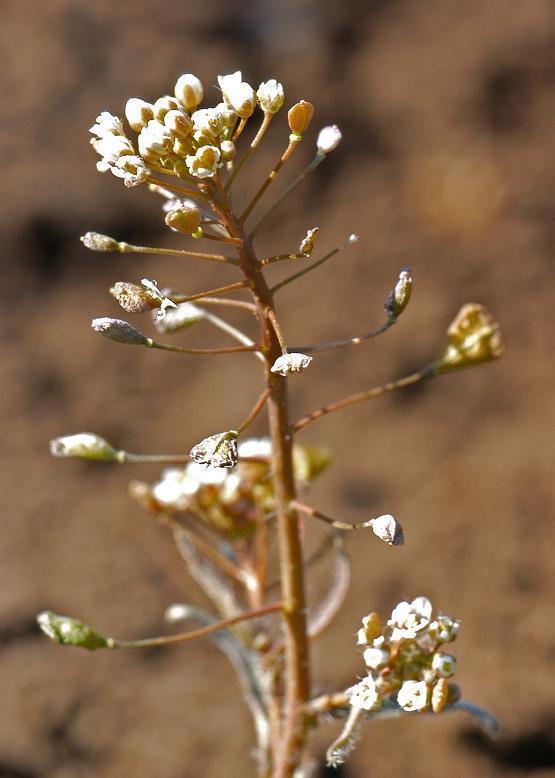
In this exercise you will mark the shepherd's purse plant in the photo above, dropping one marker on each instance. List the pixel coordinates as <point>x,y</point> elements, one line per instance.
<point>236,504</point>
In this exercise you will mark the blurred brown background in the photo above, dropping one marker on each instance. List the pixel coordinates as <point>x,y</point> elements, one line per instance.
<point>447,113</point>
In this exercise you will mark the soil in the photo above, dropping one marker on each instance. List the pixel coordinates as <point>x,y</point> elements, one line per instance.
<point>446,109</point>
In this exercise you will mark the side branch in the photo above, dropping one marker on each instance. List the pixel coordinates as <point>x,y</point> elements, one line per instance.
<point>376,391</point>
<point>188,298</point>
<point>355,341</point>
<point>197,633</point>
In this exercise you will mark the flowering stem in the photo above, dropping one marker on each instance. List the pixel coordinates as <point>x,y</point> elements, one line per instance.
<point>128,248</point>
<point>256,140</point>
<point>187,298</point>
<point>260,403</point>
<point>314,265</point>
<point>293,143</point>
<point>320,156</point>
<point>193,193</point>
<point>240,127</point>
<point>182,637</point>
<point>293,729</point>
<point>309,511</point>
<point>346,341</point>
<point>413,378</point>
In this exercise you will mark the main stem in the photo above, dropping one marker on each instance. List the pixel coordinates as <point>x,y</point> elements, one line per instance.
<point>297,681</point>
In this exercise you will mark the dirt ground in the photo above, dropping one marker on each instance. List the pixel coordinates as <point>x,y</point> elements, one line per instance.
<point>447,113</point>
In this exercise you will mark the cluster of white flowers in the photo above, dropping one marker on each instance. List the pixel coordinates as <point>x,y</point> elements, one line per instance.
<point>406,659</point>
<point>116,150</point>
<point>173,134</point>
<point>229,499</point>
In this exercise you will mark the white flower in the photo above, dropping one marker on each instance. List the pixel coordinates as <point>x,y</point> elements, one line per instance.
<point>363,694</point>
<point>132,169</point>
<point>205,162</point>
<point>163,105</point>
<point>138,113</point>
<point>155,140</point>
<point>238,94</point>
<point>413,695</point>
<point>388,529</point>
<point>444,664</point>
<point>85,445</point>
<point>291,363</point>
<point>376,657</point>
<point>111,148</point>
<point>188,90</point>
<point>270,96</point>
<point>179,123</point>
<point>328,139</point>
<point>408,619</point>
<point>107,124</point>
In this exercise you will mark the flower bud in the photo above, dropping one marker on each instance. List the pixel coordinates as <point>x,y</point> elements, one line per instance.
<point>328,139</point>
<point>444,664</point>
<point>97,242</point>
<point>444,629</point>
<point>388,529</point>
<point>472,337</point>
<point>307,243</point>
<point>163,105</point>
<point>218,450</point>
<point>299,117</point>
<point>119,331</point>
<point>70,632</point>
<point>183,316</point>
<point>155,140</point>
<point>228,149</point>
<point>178,123</point>
<point>291,363</point>
<point>375,658</point>
<point>138,113</point>
<point>238,94</point>
<point>440,694</point>
<point>205,162</point>
<point>399,297</point>
<point>185,219</point>
<point>188,90</point>
<point>371,629</point>
<point>84,445</point>
<point>270,96</point>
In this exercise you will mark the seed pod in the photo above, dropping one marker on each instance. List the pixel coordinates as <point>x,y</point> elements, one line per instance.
<point>97,242</point>
<point>134,298</point>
